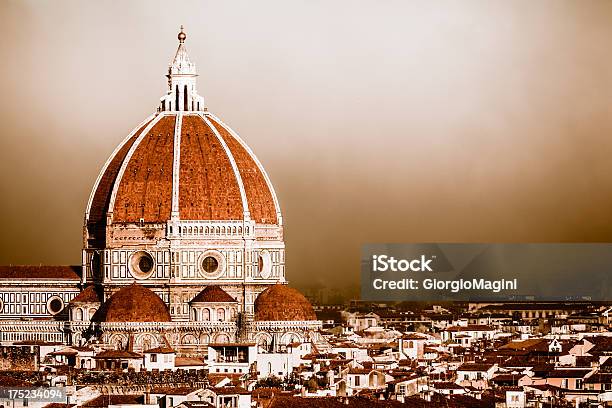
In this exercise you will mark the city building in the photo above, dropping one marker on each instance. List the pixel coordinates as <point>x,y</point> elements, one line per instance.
<point>182,246</point>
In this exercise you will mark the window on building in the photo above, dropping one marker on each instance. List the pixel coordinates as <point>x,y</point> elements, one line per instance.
<point>356,381</point>
<point>154,358</point>
<point>210,264</point>
<point>185,99</point>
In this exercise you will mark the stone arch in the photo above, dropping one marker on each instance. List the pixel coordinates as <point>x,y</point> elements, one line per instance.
<point>376,379</point>
<point>222,338</point>
<point>146,341</point>
<point>118,340</point>
<point>204,338</point>
<point>290,337</point>
<point>189,339</point>
<point>78,314</point>
<point>263,340</point>
<point>206,314</point>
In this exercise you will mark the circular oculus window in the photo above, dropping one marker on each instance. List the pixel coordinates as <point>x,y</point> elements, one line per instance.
<point>211,264</point>
<point>55,304</point>
<point>141,265</point>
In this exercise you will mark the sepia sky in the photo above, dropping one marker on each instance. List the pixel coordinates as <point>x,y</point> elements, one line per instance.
<point>391,121</point>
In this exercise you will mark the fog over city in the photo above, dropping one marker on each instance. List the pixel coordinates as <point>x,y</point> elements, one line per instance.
<point>482,121</point>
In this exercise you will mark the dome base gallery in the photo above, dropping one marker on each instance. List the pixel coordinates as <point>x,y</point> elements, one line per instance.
<point>182,245</point>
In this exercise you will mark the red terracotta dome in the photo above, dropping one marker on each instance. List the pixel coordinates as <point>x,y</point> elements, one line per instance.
<point>281,302</point>
<point>213,294</point>
<point>200,159</point>
<point>134,303</point>
<point>90,294</point>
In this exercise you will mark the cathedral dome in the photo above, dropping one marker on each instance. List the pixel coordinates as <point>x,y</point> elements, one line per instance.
<point>134,303</point>
<point>181,163</point>
<point>281,302</point>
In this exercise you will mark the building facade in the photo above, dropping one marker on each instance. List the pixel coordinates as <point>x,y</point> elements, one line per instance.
<point>182,244</point>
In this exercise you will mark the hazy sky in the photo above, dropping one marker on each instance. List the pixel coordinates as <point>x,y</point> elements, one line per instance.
<point>407,121</point>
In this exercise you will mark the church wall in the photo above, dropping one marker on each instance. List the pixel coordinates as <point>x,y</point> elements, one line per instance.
<point>34,299</point>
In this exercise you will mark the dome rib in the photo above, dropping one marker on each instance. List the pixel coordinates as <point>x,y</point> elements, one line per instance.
<point>145,183</point>
<point>176,165</point>
<point>208,186</point>
<point>113,196</point>
<point>109,172</point>
<point>258,187</point>
<point>243,196</point>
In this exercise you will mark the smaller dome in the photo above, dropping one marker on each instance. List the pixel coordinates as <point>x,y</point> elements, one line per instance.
<point>134,303</point>
<point>90,294</point>
<point>213,294</point>
<point>280,302</point>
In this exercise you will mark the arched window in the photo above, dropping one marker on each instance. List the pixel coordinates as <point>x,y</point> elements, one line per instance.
<point>206,315</point>
<point>221,315</point>
<point>185,99</point>
<point>194,315</point>
<point>78,314</point>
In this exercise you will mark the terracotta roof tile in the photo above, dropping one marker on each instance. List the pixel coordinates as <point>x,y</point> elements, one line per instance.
<point>106,400</point>
<point>281,302</point>
<point>111,354</point>
<point>88,295</point>
<point>208,188</point>
<point>44,272</point>
<point>133,303</point>
<point>145,189</point>
<point>101,198</point>
<point>259,196</point>
<point>212,294</point>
